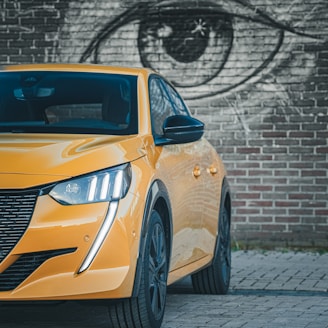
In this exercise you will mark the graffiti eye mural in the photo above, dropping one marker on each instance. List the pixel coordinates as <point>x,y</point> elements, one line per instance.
<point>196,39</point>
<point>226,43</point>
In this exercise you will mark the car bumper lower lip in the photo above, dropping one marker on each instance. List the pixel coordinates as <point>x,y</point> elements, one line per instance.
<point>93,284</point>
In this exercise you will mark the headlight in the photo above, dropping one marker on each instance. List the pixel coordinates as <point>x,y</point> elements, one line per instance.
<point>103,186</point>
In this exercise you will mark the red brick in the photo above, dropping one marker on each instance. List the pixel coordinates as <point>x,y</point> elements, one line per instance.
<point>315,221</point>
<point>321,150</point>
<point>301,212</point>
<point>260,219</point>
<point>248,150</point>
<point>274,134</point>
<point>286,204</point>
<point>313,204</point>
<point>301,134</point>
<point>274,150</point>
<point>321,212</point>
<point>301,165</point>
<point>300,196</point>
<point>260,158</point>
<point>238,203</point>
<point>260,188</point>
<point>247,165</point>
<point>275,211</point>
<point>287,219</point>
<point>249,195</point>
<point>248,211</point>
<point>233,173</point>
<point>275,181</point>
<point>273,227</point>
<point>236,219</point>
<point>314,173</point>
<point>301,228</point>
<point>322,134</point>
<point>287,188</point>
<point>250,227</point>
<point>260,172</point>
<point>261,203</point>
<point>288,173</point>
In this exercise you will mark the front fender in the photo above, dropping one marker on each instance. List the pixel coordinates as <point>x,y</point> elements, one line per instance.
<point>157,198</point>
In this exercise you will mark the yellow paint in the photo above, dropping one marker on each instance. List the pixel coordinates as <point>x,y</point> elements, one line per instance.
<point>192,174</point>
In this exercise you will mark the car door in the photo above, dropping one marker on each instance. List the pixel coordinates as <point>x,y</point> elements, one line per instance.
<point>182,165</point>
<point>208,172</point>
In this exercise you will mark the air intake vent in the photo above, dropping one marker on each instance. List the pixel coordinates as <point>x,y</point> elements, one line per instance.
<point>16,209</point>
<point>25,265</point>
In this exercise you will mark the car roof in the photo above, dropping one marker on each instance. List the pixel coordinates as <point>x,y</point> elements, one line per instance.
<point>85,68</point>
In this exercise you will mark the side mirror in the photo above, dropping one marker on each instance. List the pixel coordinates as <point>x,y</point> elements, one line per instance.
<point>181,129</point>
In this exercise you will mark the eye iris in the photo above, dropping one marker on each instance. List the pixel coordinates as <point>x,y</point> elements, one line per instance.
<point>199,40</point>
<point>187,43</point>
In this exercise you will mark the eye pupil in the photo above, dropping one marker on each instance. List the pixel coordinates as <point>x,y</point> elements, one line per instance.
<point>188,40</point>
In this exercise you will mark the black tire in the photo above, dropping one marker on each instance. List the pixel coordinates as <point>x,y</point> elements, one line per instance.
<point>147,309</point>
<point>215,279</point>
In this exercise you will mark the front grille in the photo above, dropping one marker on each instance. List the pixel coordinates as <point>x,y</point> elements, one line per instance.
<point>16,209</point>
<point>25,265</point>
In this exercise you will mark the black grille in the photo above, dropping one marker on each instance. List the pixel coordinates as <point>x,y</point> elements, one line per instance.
<point>16,209</point>
<point>25,265</point>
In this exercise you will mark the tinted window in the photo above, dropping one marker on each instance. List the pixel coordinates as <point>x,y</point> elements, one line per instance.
<point>179,106</point>
<point>161,106</point>
<point>68,102</point>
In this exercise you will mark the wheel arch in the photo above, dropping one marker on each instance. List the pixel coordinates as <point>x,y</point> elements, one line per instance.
<point>225,201</point>
<point>226,192</point>
<point>157,199</point>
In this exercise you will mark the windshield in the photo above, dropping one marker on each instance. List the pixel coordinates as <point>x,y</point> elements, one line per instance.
<point>68,102</point>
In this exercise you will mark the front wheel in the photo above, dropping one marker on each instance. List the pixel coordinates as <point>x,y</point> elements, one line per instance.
<point>215,279</point>
<point>147,309</point>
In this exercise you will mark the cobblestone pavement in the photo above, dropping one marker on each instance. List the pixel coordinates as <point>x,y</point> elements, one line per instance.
<point>268,289</point>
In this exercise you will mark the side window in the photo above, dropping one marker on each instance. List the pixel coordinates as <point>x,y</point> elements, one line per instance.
<point>160,105</point>
<point>179,105</point>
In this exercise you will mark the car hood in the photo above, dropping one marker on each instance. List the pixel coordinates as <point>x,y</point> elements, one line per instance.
<point>30,160</point>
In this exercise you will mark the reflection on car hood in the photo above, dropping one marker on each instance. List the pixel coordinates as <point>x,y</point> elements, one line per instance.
<point>43,158</point>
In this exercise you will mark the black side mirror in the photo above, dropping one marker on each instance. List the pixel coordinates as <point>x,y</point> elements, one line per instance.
<point>181,129</point>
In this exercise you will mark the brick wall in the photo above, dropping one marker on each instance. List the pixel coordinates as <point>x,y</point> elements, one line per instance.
<point>256,72</point>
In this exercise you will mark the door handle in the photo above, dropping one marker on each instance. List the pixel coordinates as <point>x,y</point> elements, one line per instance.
<point>196,171</point>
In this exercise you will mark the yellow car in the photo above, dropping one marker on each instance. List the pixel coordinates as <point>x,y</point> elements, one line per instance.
<point>108,191</point>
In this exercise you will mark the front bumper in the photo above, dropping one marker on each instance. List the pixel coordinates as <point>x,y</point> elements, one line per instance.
<point>61,236</point>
